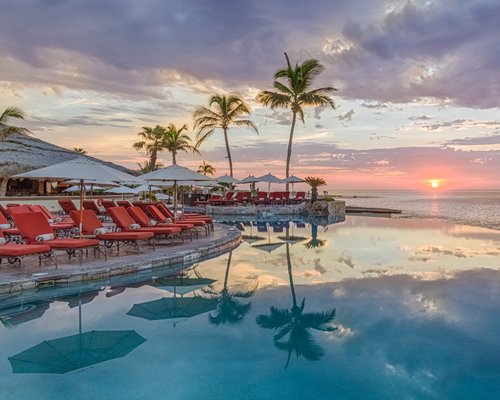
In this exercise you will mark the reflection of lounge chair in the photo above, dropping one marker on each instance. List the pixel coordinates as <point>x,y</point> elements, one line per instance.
<point>277,227</point>
<point>15,253</point>
<point>300,224</point>
<point>261,226</point>
<point>92,226</point>
<point>35,229</point>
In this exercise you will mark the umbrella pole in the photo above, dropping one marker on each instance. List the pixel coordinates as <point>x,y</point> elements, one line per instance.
<point>80,225</point>
<point>175,200</point>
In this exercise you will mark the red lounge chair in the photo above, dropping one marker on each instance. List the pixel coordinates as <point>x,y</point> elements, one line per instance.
<point>228,199</point>
<point>14,253</point>
<point>62,225</point>
<point>108,203</point>
<point>286,197</point>
<point>155,212</point>
<point>92,226</point>
<point>6,228</point>
<point>126,223</point>
<point>143,220</point>
<point>299,198</point>
<point>207,219</point>
<point>275,198</point>
<point>35,229</point>
<point>67,205</point>
<point>3,211</point>
<point>207,201</point>
<point>214,200</point>
<point>261,198</point>
<point>92,205</point>
<point>124,203</point>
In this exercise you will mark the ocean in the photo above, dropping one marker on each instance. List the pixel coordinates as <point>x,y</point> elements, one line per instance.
<point>479,208</point>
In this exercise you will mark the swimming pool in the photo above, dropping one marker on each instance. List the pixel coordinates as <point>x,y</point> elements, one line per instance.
<point>416,317</point>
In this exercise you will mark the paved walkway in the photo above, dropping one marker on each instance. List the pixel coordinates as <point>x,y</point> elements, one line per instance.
<point>14,279</point>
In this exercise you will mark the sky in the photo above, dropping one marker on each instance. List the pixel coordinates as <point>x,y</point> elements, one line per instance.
<point>418,83</point>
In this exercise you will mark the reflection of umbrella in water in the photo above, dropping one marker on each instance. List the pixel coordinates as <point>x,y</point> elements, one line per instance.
<point>173,308</point>
<point>269,247</point>
<point>24,312</point>
<point>71,353</point>
<point>251,238</point>
<point>179,284</point>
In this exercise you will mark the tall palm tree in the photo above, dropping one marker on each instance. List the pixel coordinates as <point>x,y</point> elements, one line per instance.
<point>295,324</point>
<point>5,128</point>
<point>175,140</point>
<point>223,112</point>
<point>229,309</point>
<point>206,169</point>
<point>79,150</point>
<point>293,91</point>
<point>152,141</point>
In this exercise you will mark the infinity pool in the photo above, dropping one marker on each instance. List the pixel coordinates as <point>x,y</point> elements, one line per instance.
<point>369,308</point>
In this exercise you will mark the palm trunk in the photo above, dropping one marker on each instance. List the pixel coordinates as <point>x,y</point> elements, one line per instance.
<point>228,153</point>
<point>153,158</point>
<point>289,152</point>
<point>226,276</point>
<point>314,194</point>
<point>3,186</point>
<point>290,277</point>
<point>174,160</point>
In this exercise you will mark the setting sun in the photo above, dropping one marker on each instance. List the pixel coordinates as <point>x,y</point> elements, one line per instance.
<point>434,183</point>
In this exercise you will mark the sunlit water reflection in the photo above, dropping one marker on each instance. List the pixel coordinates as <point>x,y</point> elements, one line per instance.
<point>369,308</point>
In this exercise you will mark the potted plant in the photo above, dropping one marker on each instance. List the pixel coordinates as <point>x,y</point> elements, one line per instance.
<point>314,183</point>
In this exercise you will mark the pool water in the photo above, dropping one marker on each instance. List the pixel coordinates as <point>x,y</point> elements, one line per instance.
<point>369,308</point>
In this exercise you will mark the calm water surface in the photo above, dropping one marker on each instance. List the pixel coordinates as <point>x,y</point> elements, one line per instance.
<point>416,317</point>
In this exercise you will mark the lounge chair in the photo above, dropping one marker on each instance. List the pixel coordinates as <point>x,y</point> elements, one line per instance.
<point>15,253</point>
<point>189,218</point>
<point>55,223</point>
<point>126,223</point>
<point>299,198</point>
<point>93,227</point>
<point>108,203</point>
<point>35,229</point>
<point>157,215</point>
<point>7,229</point>
<point>92,205</point>
<point>124,203</point>
<point>67,205</point>
<point>276,198</point>
<point>261,198</point>
<point>213,198</point>
<point>144,221</point>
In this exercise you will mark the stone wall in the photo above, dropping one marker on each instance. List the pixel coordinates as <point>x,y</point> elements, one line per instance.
<point>323,208</point>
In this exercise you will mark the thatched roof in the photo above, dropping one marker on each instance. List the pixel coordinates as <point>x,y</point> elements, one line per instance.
<point>21,153</point>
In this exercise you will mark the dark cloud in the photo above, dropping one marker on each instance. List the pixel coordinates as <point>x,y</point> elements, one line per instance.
<point>471,141</point>
<point>346,116</point>
<point>443,49</point>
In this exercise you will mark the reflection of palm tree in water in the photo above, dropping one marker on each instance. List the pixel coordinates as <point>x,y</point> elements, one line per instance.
<point>229,308</point>
<point>295,324</point>
<point>314,242</point>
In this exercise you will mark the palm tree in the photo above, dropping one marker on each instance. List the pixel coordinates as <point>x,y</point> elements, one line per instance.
<point>314,183</point>
<point>314,242</point>
<point>175,140</point>
<point>295,324</point>
<point>146,167</point>
<point>293,91</point>
<point>229,309</point>
<point>5,128</point>
<point>223,112</point>
<point>206,169</point>
<point>152,141</point>
<point>79,150</point>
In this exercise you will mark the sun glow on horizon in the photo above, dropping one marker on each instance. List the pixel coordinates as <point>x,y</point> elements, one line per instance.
<point>435,183</point>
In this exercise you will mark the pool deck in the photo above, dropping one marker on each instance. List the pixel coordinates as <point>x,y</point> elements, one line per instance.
<point>29,276</point>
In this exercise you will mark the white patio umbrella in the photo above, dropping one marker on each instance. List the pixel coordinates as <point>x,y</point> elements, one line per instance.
<point>86,188</point>
<point>82,169</point>
<point>252,180</point>
<point>293,179</point>
<point>147,188</point>
<point>226,179</point>
<point>122,190</point>
<point>92,182</point>
<point>269,178</point>
<point>175,174</point>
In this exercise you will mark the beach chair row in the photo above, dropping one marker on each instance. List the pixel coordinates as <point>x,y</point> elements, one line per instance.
<point>261,198</point>
<point>32,230</point>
